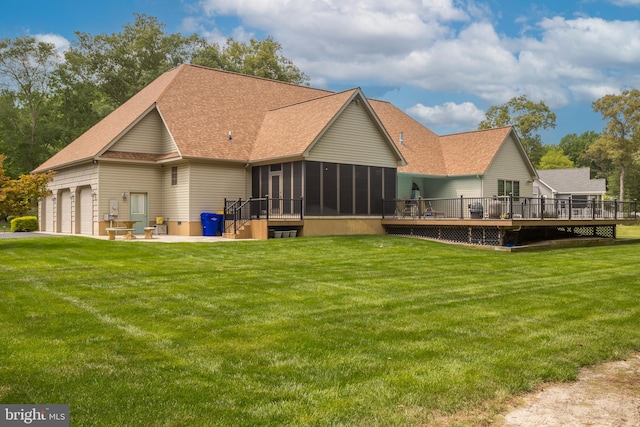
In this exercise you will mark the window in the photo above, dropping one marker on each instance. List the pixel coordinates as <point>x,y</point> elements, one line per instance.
<point>174,175</point>
<point>138,204</point>
<point>508,188</point>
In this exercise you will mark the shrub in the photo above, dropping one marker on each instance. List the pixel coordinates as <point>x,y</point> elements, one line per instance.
<point>24,223</point>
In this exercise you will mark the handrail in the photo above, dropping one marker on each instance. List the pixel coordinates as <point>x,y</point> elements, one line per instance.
<point>238,212</point>
<point>510,207</point>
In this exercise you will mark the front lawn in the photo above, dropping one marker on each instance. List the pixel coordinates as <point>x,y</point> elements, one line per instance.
<point>351,331</point>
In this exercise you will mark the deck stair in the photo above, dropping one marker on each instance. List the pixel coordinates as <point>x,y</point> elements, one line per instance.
<point>243,232</point>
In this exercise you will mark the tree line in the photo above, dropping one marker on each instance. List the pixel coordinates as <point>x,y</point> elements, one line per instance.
<point>49,98</point>
<point>613,154</point>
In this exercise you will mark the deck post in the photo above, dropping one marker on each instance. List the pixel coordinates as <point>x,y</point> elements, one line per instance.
<point>510,205</point>
<point>570,207</point>
<point>541,207</point>
<point>615,204</point>
<point>461,206</point>
<point>301,208</point>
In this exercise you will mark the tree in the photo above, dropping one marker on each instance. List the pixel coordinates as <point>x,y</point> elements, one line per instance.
<point>26,73</point>
<point>575,147</point>
<point>620,140</point>
<point>555,159</point>
<point>527,117</point>
<point>121,64</point>
<point>262,58</point>
<point>19,196</point>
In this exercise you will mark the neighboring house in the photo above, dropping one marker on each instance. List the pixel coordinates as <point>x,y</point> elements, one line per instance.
<point>564,183</point>
<point>197,136</point>
<point>576,184</point>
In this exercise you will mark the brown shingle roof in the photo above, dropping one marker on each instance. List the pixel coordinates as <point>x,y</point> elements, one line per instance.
<point>290,130</point>
<point>420,147</point>
<point>471,153</point>
<point>203,105</point>
<point>90,143</point>
<point>267,119</point>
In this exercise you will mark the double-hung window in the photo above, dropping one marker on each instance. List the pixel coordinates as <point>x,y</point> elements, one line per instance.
<point>508,187</point>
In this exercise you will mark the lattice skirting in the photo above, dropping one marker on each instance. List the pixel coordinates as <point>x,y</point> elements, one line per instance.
<point>490,236</point>
<point>495,236</point>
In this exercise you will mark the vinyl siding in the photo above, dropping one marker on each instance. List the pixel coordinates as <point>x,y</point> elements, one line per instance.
<point>508,164</point>
<point>144,137</point>
<point>211,183</point>
<point>116,179</point>
<point>454,187</point>
<point>168,146</point>
<point>175,198</point>
<point>75,177</point>
<point>354,138</point>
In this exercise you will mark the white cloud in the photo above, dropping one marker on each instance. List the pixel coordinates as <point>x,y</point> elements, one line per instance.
<point>448,115</point>
<point>444,45</point>
<point>61,43</point>
<point>626,2</point>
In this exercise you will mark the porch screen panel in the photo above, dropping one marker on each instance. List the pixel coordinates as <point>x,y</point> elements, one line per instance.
<point>329,188</point>
<point>390,185</point>
<point>362,190</point>
<point>312,182</point>
<point>264,181</point>
<point>255,182</point>
<point>375,190</point>
<point>286,190</point>
<point>297,180</point>
<point>346,189</point>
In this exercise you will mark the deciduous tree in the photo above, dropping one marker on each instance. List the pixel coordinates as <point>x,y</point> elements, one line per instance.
<point>527,117</point>
<point>26,75</point>
<point>620,140</point>
<point>20,196</point>
<point>555,159</point>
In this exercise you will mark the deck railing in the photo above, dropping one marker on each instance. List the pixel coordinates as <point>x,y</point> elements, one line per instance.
<point>238,212</point>
<point>509,207</point>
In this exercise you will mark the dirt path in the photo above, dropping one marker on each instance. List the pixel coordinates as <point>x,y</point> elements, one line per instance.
<point>604,395</point>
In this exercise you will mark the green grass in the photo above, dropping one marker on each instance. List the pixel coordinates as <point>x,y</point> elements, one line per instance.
<point>345,331</point>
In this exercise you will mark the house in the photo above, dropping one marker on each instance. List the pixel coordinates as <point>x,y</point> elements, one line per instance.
<point>196,137</point>
<point>575,184</point>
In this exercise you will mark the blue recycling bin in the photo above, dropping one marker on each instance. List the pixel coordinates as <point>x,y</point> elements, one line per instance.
<point>210,224</point>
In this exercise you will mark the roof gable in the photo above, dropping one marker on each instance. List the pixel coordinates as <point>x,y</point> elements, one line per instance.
<point>204,106</point>
<point>292,130</point>
<point>93,141</point>
<point>471,153</point>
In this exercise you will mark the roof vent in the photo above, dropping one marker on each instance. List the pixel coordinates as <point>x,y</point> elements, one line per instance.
<point>229,137</point>
<point>401,138</point>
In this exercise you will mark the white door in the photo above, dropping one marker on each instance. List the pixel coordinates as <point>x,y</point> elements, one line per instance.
<point>48,215</point>
<point>138,206</point>
<point>85,204</point>
<point>275,192</point>
<point>64,211</point>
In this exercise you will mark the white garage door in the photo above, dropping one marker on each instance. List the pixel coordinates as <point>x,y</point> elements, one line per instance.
<point>64,214</point>
<point>47,212</point>
<point>85,204</point>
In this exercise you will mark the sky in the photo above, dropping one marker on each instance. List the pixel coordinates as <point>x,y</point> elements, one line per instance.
<point>444,62</point>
